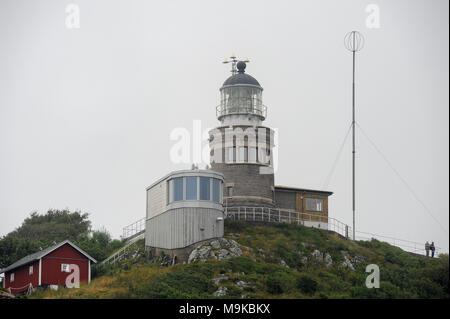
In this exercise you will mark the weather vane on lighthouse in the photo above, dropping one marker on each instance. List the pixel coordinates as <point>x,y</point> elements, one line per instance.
<point>234,62</point>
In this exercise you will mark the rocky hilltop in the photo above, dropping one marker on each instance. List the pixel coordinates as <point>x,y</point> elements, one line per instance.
<point>270,261</point>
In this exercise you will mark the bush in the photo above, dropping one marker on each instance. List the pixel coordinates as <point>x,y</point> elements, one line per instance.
<point>279,282</point>
<point>100,270</point>
<point>235,226</point>
<point>180,283</point>
<point>274,285</point>
<point>386,291</point>
<point>307,284</point>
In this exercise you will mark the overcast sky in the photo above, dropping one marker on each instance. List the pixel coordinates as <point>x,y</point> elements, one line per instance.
<point>86,113</point>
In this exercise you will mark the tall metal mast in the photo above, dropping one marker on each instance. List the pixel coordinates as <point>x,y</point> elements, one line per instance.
<point>354,41</point>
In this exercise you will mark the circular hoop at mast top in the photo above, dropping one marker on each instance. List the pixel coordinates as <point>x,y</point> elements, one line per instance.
<point>354,41</point>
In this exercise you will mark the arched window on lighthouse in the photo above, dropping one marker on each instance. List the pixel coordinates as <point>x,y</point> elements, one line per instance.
<point>262,158</point>
<point>242,150</point>
<point>243,154</point>
<point>230,155</point>
<point>252,154</point>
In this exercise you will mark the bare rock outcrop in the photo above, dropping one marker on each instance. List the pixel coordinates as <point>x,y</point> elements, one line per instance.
<point>218,249</point>
<point>323,257</point>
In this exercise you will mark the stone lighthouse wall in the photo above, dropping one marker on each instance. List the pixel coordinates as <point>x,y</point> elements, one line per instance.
<point>251,181</point>
<point>249,187</point>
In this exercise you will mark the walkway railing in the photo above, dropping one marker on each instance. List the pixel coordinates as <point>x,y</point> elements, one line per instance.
<point>407,245</point>
<point>276,215</point>
<point>134,229</point>
<point>242,108</point>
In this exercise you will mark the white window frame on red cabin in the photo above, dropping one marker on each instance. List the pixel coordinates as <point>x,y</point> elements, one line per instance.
<point>11,277</point>
<point>65,267</point>
<point>30,270</point>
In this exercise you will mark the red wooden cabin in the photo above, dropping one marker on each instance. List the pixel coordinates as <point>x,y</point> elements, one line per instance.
<point>48,267</point>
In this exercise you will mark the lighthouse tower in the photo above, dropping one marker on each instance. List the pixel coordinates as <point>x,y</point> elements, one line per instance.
<point>241,146</point>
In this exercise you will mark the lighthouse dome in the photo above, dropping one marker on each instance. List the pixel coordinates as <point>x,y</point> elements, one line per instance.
<point>241,98</point>
<point>241,77</point>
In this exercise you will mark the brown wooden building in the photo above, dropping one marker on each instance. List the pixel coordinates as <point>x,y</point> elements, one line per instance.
<point>308,202</point>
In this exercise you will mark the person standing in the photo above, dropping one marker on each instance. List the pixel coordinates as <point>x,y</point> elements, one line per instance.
<point>427,248</point>
<point>432,248</point>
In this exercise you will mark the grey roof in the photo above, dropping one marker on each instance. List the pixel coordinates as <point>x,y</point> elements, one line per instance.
<point>241,78</point>
<point>304,190</point>
<point>36,256</point>
<point>197,172</point>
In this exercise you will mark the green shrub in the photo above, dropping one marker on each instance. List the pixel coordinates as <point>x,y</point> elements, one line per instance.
<point>274,285</point>
<point>235,226</point>
<point>179,283</point>
<point>307,284</point>
<point>386,291</point>
<point>279,281</point>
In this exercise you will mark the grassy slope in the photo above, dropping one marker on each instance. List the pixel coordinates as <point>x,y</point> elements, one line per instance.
<point>402,275</point>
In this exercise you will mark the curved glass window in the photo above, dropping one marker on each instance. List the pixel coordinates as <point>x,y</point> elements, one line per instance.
<point>191,188</point>
<point>178,188</point>
<point>241,99</point>
<point>194,188</point>
<point>216,190</point>
<point>205,188</point>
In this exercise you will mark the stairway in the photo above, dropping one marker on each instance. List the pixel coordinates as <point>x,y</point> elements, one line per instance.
<point>122,251</point>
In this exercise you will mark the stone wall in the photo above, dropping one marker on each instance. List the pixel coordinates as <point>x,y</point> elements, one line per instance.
<point>250,187</point>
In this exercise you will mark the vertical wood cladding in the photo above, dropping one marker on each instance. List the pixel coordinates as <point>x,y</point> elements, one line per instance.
<point>51,265</point>
<point>51,273</point>
<point>156,199</point>
<point>301,204</point>
<point>181,227</point>
<point>22,277</point>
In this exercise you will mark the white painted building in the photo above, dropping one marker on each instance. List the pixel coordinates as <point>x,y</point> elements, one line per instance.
<point>183,208</point>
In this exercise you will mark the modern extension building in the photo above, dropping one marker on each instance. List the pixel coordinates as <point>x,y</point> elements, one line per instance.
<point>184,208</point>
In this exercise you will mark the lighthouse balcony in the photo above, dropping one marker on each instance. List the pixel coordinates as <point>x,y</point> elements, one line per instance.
<point>258,110</point>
